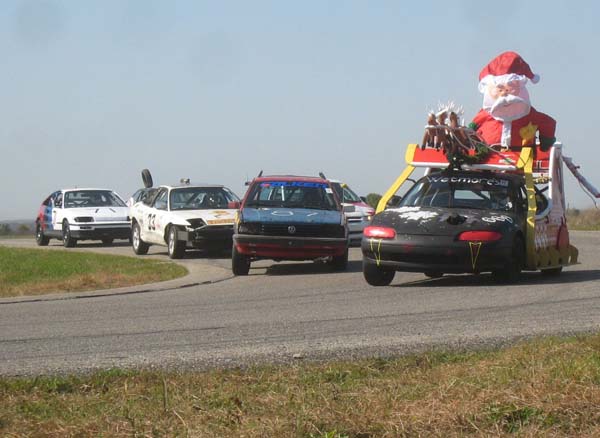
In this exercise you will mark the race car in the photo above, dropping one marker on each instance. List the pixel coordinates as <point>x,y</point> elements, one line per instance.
<point>290,218</point>
<point>184,216</point>
<point>82,214</point>
<point>503,215</point>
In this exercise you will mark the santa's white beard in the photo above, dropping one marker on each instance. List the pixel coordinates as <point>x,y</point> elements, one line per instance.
<point>507,108</point>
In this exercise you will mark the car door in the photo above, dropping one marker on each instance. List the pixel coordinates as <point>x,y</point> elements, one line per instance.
<point>153,216</point>
<point>58,213</point>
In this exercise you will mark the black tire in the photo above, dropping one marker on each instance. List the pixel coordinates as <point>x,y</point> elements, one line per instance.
<point>40,238</point>
<point>340,263</point>
<point>512,272</point>
<point>175,247</point>
<point>552,272</point>
<point>433,274</point>
<point>67,239</point>
<point>375,275</point>
<point>240,264</point>
<point>147,178</point>
<point>107,241</point>
<point>139,246</point>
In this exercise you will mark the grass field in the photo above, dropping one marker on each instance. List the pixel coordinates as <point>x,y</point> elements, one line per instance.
<point>588,219</point>
<point>36,271</point>
<point>546,387</point>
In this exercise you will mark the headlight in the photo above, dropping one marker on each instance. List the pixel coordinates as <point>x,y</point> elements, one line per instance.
<point>248,228</point>
<point>196,223</point>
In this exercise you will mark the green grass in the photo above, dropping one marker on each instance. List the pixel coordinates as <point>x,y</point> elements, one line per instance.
<point>37,271</point>
<point>544,387</point>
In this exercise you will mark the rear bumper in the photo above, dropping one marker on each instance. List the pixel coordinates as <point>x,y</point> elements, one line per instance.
<point>289,248</point>
<point>435,253</point>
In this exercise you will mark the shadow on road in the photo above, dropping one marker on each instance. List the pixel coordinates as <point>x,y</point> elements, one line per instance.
<point>308,268</point>
<point>533,278</point>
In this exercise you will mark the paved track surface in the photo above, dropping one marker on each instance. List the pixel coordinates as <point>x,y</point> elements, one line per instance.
<point>288,312</point>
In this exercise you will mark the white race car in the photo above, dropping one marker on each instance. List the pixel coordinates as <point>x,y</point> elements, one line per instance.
<point>82,214</point>
<point>182,216</point>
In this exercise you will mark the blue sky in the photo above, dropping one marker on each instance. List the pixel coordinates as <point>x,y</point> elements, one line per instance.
<point>92,92</point>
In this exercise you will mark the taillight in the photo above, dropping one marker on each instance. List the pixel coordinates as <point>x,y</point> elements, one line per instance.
<point>379,232</point>
<point>480,236</point>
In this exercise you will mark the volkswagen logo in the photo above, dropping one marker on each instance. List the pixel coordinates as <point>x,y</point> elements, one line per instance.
<point>292,229</point>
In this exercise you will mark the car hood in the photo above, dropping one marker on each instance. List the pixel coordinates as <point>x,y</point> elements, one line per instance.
<point>101,214</point>
<point>443,221</point>
<point>291,215</point>
<point>211,217</point>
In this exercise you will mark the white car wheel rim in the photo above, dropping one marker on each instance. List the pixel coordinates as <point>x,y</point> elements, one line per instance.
<point>136,236</point>
<point>171,241</point>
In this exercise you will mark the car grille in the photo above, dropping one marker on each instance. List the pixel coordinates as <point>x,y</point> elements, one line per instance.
<point>303,230</point>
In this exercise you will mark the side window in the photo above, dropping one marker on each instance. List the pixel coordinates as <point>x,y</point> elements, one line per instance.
<point>160,202</point>
<point>58,200</point>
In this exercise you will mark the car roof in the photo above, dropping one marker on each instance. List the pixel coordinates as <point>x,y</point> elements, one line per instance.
<point>291,178</point>
<point>86,188</point>
<point>479,173</point>
<point>187,186</point>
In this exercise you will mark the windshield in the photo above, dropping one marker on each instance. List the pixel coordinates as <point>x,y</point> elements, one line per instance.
<point>92,198</point>
<point>292,194</point>
<point>201,198</point>
<point>461,191</point>
<point>345,194</point>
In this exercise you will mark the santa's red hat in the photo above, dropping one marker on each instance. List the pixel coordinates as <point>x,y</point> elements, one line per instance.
<point>508,63</point>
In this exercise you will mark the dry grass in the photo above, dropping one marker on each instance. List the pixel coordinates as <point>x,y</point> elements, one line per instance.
<point>36,271</point>
<point>548,387</point>
<point>588,219</point>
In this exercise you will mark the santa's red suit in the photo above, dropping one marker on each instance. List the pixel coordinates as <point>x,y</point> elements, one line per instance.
<point>520,132</point>
<point>507,117</point>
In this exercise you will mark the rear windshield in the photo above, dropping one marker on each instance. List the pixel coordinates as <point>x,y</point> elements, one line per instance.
<point>487,193</point>
<point>345,194</point>
<point>202,198</point>
<point>92,198</point>
<point>292,194</point>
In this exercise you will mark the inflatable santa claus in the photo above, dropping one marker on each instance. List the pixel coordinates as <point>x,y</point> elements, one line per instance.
<point>507,117</point>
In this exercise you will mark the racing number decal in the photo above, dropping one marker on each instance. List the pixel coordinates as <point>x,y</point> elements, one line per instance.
<point>151,222</point>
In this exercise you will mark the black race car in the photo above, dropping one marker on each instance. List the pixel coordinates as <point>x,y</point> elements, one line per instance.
<point>451,221</point>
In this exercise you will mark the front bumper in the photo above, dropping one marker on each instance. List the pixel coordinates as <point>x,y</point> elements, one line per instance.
<point>289,248</point>
<point>99,232</point>
<point>217,235</point>
<point>437,253</point>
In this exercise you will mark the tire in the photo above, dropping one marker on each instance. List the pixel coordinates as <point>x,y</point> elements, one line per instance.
<point>107,241</point>
<point>512,272</point>
<point>375,275</point>
<point>147,178</point>
<point>340,263</point>
<point>175,247</point>
<point>433,274</point>
<point>40,238</point>
<point>240,264</point>
<point>139,246</point>
<point>552,272</point>
<point>67,239</point>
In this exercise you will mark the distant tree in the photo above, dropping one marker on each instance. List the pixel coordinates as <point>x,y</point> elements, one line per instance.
<point>4,229</point>
<point>373,199</point>
<point>23,229</point>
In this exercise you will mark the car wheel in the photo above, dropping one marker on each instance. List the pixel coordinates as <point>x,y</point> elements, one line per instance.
<point>68,241</point>
<point>107,241</point>
<point>139,246</point>
<point>512,272</point>
<point>176,247</point>
<point>40,238</point>
<point>375,275</point>
<point>552,272</point>
<point>340,263</point>
<point>433,274</point>
<point>240,264</point>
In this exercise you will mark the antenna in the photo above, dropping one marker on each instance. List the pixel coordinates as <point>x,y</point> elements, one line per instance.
<point>259,174</point>
<point>322,175</point>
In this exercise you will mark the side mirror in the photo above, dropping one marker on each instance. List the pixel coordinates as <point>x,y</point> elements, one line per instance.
<point>233,205</point>
<point>348,208</point>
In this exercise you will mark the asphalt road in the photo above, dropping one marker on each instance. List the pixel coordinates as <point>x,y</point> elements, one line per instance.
<point>292,312</point>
